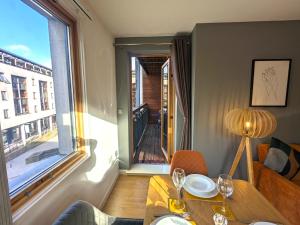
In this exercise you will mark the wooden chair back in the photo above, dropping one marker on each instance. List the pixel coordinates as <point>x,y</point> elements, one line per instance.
<point>191,161</point>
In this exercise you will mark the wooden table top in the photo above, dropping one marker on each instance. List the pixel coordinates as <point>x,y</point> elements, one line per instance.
<point>246,203</point>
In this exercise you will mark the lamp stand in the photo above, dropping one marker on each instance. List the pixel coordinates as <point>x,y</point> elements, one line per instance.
<point>245,143</point>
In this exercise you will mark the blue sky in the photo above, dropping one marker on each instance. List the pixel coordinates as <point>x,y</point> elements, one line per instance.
<point>24,32</point>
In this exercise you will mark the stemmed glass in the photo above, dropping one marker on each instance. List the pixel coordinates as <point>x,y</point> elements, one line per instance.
<point>178,180</point>
<point>225,188</point>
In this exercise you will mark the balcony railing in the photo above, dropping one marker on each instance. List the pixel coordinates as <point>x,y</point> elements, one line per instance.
<point>140,121</point>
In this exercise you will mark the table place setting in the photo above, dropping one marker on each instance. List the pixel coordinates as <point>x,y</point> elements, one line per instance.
<point>199,197</point>
<point>200,186</point>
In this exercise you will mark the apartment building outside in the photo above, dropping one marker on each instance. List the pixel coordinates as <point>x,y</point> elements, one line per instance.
<point>27,109</point>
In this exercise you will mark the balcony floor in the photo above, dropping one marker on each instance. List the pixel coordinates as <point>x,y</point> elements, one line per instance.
<point>150,151</point>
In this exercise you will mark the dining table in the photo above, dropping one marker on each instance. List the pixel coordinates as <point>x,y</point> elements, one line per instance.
<point>247,204</point>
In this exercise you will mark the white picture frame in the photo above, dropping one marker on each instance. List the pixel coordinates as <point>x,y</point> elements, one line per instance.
<point>270,82</point>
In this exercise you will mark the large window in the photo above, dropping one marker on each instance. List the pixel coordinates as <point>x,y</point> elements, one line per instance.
<point>31,129</point>
<point>44,95</point>
<point>5,112</point>
<point>42,135</point>
<point>11,136</point>
<point>20,95</point>
<point>3,78</point>
<point>4,95</point>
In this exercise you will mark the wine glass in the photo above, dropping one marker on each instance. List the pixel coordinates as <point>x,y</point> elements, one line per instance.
<point>178,180</point>
<point>225,188</point>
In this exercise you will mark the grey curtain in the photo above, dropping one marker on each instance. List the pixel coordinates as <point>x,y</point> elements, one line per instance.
<point>181,61</point>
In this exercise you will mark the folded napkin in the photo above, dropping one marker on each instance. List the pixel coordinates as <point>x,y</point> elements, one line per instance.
<point>217,198</point>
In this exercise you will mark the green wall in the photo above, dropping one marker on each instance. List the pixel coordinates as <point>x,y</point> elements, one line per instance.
<point>221,72</point>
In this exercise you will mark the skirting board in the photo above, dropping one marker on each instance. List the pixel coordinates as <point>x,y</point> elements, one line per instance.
<point>113,177</point>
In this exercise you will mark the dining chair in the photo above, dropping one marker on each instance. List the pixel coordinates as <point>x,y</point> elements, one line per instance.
<point>189,160</point>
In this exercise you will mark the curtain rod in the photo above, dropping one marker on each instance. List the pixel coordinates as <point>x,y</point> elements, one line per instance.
<point>82,9</point>
<point>145,43</point>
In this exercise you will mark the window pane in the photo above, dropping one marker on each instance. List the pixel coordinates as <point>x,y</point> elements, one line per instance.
<point>4,95</point>
<point>37,118</point>
<point>133,83</point>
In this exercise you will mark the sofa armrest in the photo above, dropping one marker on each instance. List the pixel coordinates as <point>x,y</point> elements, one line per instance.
<point>84,213</point>
<point>282,193</point>
<point>257,168</point>
<point>262,151</point>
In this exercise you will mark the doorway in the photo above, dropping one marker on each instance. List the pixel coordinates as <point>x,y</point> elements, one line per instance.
<point>152,108</point>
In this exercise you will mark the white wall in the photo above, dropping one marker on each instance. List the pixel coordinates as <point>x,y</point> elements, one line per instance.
<point>92,180</point>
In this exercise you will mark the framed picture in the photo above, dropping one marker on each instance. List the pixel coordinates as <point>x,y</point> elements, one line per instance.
<point>269,82</point>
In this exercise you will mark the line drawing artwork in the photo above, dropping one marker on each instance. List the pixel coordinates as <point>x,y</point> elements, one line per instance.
<point>270,82</point>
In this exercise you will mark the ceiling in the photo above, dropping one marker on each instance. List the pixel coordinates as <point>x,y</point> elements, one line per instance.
<point>152,65</point>
<point>127,18</point>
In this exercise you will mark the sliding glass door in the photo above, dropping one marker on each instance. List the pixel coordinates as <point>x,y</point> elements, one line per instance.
<point>167,110</point>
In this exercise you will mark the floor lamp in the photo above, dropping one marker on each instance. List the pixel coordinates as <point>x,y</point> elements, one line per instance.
<point>248,124</point>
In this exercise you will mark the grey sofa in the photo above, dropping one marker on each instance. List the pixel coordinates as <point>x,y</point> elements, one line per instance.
<point>83,213</point>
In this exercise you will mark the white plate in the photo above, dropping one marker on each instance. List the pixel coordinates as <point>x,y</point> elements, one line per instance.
<point>197,185</point>
<point>170,220</point>
<point>263,223</point>
<point>204,195</point>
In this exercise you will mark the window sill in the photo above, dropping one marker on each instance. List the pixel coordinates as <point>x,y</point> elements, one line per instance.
<point>22,203</point>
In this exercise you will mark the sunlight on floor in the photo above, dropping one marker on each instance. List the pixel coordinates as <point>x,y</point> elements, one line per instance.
<point>148,169</point>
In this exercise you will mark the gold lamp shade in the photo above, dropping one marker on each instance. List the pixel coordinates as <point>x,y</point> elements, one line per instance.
<point>250,123</point>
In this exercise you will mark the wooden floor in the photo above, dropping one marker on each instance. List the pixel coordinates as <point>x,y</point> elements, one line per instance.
<point>150,149</point>
<point>128,198</point>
